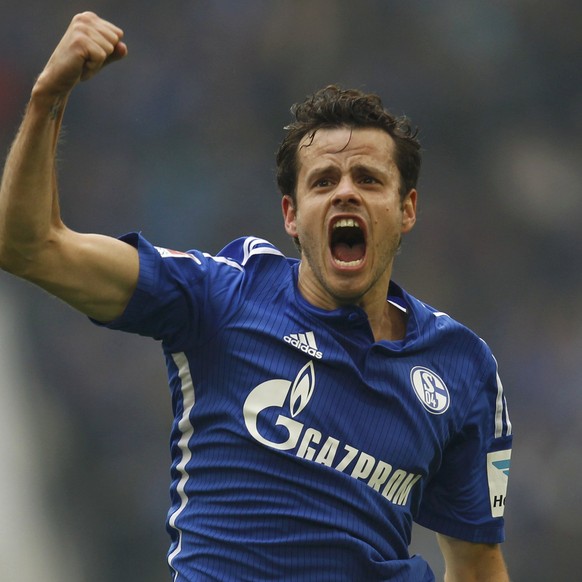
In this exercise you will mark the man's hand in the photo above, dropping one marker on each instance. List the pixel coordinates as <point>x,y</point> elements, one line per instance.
<point>87,46</point>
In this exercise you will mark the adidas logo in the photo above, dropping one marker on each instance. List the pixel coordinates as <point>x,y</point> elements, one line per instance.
<point>304,342</point>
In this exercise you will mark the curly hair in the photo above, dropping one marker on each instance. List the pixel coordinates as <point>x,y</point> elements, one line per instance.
<point>333,107</point>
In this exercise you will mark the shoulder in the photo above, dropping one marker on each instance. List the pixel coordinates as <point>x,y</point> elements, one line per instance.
<point>433,329</point>
<point>254,265</point>
<point>464,361</point>
<point>247,250</point>
<point>235,266</point>
<point>239,255</point>
<point>254,258</point>
<point>430,321</point>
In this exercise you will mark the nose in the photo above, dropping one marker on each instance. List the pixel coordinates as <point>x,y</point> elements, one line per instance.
<point>346,193</point>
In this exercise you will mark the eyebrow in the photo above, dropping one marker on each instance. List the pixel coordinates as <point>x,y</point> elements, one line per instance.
<point>318,170</point>
<point>359,168</point>
<point>367,168</point>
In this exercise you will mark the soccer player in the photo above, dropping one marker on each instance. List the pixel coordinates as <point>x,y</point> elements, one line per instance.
<point>319,408</point>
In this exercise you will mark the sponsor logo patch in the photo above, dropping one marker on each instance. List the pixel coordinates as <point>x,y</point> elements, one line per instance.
<point>273,414</point>
<point>169,253</point>
<point>498,464</point>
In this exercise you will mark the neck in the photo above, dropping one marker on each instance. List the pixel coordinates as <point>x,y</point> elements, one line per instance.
<point>389,325</point>
<point>386,321</point>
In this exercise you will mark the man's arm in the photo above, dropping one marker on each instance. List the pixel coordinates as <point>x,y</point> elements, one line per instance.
<point>95,274</point>
<point>469,562</point>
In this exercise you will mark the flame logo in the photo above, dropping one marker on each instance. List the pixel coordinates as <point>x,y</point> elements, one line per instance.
<point>302,389</point>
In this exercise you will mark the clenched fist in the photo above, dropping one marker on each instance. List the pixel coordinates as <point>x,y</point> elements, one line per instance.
<point>87,46</point>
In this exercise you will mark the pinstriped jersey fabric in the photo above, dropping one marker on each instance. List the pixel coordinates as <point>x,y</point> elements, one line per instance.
<point>301,448</point>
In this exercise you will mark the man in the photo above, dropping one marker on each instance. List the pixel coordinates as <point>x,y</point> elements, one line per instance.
<point>319,408</point>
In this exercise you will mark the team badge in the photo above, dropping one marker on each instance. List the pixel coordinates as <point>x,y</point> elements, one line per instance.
<point>430,390</point>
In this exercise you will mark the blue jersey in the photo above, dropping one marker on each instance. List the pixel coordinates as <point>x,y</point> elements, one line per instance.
<point>303,449</point>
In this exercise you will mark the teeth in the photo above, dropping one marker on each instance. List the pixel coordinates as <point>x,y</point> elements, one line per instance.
<point>348,263</point>
<point>346,223</point>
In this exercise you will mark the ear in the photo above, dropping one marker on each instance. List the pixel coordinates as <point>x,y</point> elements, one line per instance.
<point>289,215</point>
<point>409,211</point>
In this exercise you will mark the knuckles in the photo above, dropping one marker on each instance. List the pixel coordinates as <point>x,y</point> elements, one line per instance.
<point>85,17</point>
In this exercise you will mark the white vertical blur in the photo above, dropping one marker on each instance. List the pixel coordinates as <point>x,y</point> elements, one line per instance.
<point>30,549</point>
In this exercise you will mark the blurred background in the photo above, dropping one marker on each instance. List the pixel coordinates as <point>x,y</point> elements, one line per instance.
<point>178,141</point>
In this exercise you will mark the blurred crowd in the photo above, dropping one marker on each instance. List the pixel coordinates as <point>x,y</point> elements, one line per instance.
<point>178,141</point>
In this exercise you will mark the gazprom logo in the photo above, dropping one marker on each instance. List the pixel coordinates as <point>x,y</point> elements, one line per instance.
<point>273,412</point>
<point>430,389</point>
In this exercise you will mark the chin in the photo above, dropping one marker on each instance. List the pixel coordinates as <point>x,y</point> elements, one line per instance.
<point>347,295</point>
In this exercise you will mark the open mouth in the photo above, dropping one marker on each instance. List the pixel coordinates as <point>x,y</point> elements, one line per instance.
<point>347,242</point>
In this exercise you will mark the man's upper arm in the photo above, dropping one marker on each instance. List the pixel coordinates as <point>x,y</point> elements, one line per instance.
<point>470,562</point>
<point>93,273</point>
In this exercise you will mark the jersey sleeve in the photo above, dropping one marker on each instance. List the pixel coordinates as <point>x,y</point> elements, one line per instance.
<point>180,297</point>
<point>466,497</point>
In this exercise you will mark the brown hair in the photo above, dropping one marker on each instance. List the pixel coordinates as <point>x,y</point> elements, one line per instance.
<point>333,107</point>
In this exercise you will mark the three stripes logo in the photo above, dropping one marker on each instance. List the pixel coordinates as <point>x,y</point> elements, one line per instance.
<point>304,342</point>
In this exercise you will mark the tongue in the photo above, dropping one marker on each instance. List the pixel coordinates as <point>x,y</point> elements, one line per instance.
<point>348,253</point>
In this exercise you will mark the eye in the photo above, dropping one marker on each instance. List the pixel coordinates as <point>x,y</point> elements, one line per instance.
<point>322,183</point>
<point>368,180</point>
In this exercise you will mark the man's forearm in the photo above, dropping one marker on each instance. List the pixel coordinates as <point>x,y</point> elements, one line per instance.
<point>498,576</point>
<point>472,562</point>
<point>28,192</point>
<point>29,213</point>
